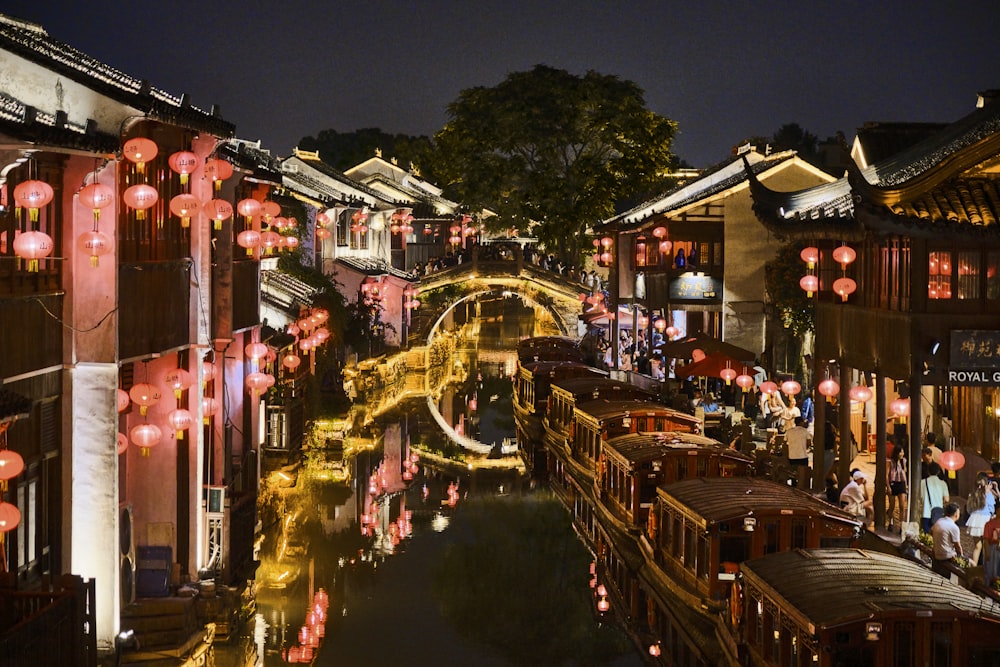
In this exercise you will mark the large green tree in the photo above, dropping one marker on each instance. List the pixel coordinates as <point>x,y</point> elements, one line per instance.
<point>344,150</point>
<point>552,148</point>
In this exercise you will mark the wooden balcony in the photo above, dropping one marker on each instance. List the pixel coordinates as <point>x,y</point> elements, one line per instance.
<point>154,307</point>
<point>50,626</point>
<point>31,337</point>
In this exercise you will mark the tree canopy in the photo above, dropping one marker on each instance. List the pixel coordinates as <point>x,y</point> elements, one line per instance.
<point>553,148</point>
<point>781,280</point>
<point>344,150</point>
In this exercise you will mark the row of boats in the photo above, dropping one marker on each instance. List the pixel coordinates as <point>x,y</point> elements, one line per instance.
<point>710,562</point>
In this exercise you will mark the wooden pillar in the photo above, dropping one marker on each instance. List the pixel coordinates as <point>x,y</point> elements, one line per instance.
<point>819,426</point>
<point>880,454</point>
<point>847,449</point>
<point>916,440</point>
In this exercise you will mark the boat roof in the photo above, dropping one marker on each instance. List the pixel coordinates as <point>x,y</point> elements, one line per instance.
<point>642,447</point>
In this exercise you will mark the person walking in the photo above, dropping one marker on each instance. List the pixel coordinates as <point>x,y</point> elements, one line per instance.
<point>947,539</point>
<point>991,538</point>
<point>933,495</point>
<point>981,505</point>
<point>896,477</point>
<point>799,443</point>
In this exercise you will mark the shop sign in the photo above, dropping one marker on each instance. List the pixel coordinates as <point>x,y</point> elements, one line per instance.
<point>973,377</point>
<point>696,287</point>
<point>975,349</point>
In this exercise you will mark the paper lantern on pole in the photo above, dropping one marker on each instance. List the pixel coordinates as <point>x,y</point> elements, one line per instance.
<point>33,246</point>
<point>140,197</point>
<point>828,387</point>
<point>146,436</point>
<point>184,206</point>
<point>248,239</point>
<point>140,150</point>
<point>744,381</point>
<point>767,388</point>
<point>144,395</point>
<point>209,407</point>
<point>218,171</point>
<point>218,210</point>
<point>11,464</point>
<point>10,517</point>
<point>96,244</point>
<point>178,380</point>
<point>901,408</point>
<point>952,460</point>
<point>860,394</point>
<point>322,233</point>
<point>728,374</point>
<point>248,208</point>
<point>183,163</point>
<point>790,388</point>
<point>809,283</point>
<point>844,287</point>
<point>32,195</point>
<point>810,255</point>
<point>844,255</point>
<point>181,420</point>
<point>97,196</point>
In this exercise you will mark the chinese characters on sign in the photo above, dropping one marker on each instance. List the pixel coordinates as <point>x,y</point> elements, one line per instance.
<point>975,358</point>
<point>696,287</point>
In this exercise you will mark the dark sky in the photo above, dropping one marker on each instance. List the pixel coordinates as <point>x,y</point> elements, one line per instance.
<point>723,70</point>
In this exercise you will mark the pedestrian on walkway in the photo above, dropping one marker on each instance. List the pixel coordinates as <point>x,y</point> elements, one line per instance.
<point>947,539</point>
<point>981,504</point>
<point>991,536</point>
<point>854,498</point>
<point>799,444</point>
<point>896,477</point>
<point>933,495</point>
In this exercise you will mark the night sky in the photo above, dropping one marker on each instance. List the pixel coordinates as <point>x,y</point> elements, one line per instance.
<point>724,71</point>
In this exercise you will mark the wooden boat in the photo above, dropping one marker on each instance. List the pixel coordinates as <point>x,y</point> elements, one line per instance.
<point>549,348</point>
<point>565,394</point>
<point>829,607</point>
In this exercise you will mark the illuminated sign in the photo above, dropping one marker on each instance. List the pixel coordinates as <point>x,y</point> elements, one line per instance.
<point>975,349</point>
<point>696,287</point>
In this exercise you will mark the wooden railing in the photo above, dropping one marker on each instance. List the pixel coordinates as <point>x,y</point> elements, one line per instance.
<point>49,627</point>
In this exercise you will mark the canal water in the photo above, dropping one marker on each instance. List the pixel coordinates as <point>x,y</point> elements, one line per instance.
<point>464,565</point>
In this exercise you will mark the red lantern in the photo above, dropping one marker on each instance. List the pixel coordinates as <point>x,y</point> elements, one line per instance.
<point>860,394</point>
<point>810,256</point>
<point>33,246</point>
<point>744,381</point>
<point>181,420</point>
<point>269,241</point>
<point>10,517</point>
<point>606,258</point>
<point>183,163</point>
<point>606,242</point>
<point>660,232</point>
<point>900,407</point>
<point>665,247</point>
<point>322,219</point>
<point>209,407</point>
<point>184,207</point>
<point>257,383</point>
<point>323,233</point>
<point>140,150</point>
<point>828,387</point>
<point>248,208</point>
<point>146,436</point>
<point>291,361</point>
<point>218,210</point>
<point>248,239</point>
<point>97,196</point>
<point>844,255</point>
<point>96,244</point>
<point>809,283</point>
<point>727,374</point>
<point>256,351</point>
<point>292,242</point>
<point>11,464</point>
<point>844,287</point>
<point>767,388</point>
<point>218,171</point>
<point>603,605</point>
<point>140,197</point>
<point>144,395</point>
<point>671,332</point>
<point>952,460</point>
<point>178,380</point>
<point>122,444</point>
<point>270,209</point>
<point>790,387</point>
<point>123,400</point>
<point>33,195</point>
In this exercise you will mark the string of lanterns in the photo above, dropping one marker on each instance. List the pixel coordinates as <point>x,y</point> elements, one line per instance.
<point>842,286</point>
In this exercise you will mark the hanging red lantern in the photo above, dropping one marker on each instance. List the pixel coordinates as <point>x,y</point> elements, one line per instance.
<point>218,171</point>
<point>123,400</point>
<point>270,209</point>
<point>256,351</point>
<point>122,444</point>
<point>660,232</point>
<point>11,464</point>
<point>97,196</point>
<point>322,334</point>
<point>790,388</point>
<point>269,241</point>
<point>146,436</point>
<point>291,361</point>
<point>209,407</point>
<point>248,208</point>
<point>952,460</point>
<point>178,380</point>
<point>728,374</point>
<point>767,388</point>
<point>606,258</point>
<point>96,244</point>
<point>292,242</point>
<point>140,150</point>
<point>180,420</point>
<point>279,223</point>
<point>860,394</point>
<point>256,383</point>
<point>671,332</point>
<point>844,255</point>
<point>32,195</point>
<point>218,210</point>
<point>33,246</point>
<point>810,255</point>
<point>323,234</point>
<point>10,516</point>
<point>140,197</point>
<point>144,395</point>
<point>183,163</point>
<point>185,206</point>
<point>828,387</point>
<point>844,287</point>
<point>665,247</point>
<point>809,283</point>
<point>322,219</point>
<point>744,381</point>
<point>248,239</point>
<point>900,407</point>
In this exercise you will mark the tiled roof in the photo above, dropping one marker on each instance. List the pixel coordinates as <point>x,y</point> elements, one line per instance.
<point>24,123</point>
<point>337,175</point>
<point>829,586</point>
<point>32,42</point>
<point>374,267</point>
<point>881,141</point>
<point>285,292</point>
<point>251,158</point>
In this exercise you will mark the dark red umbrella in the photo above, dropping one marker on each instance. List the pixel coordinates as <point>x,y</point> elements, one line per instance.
<point>683,348</point>
<point>712,366</point>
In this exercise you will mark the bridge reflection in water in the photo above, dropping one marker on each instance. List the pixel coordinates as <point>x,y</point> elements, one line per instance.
<point>367,524</point>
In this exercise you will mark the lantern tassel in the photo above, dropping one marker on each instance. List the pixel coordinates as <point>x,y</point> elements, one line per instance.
<point>185,222</point>
<point>32,266</point>
<point>145,451</point>
<point>184,179</point>
<point>218,225</point>
<point>94,261</point>
<point>180,435</point>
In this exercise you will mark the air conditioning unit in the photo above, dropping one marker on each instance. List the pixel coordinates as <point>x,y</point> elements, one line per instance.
<point>126,554</point>
<point>215,499</point>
